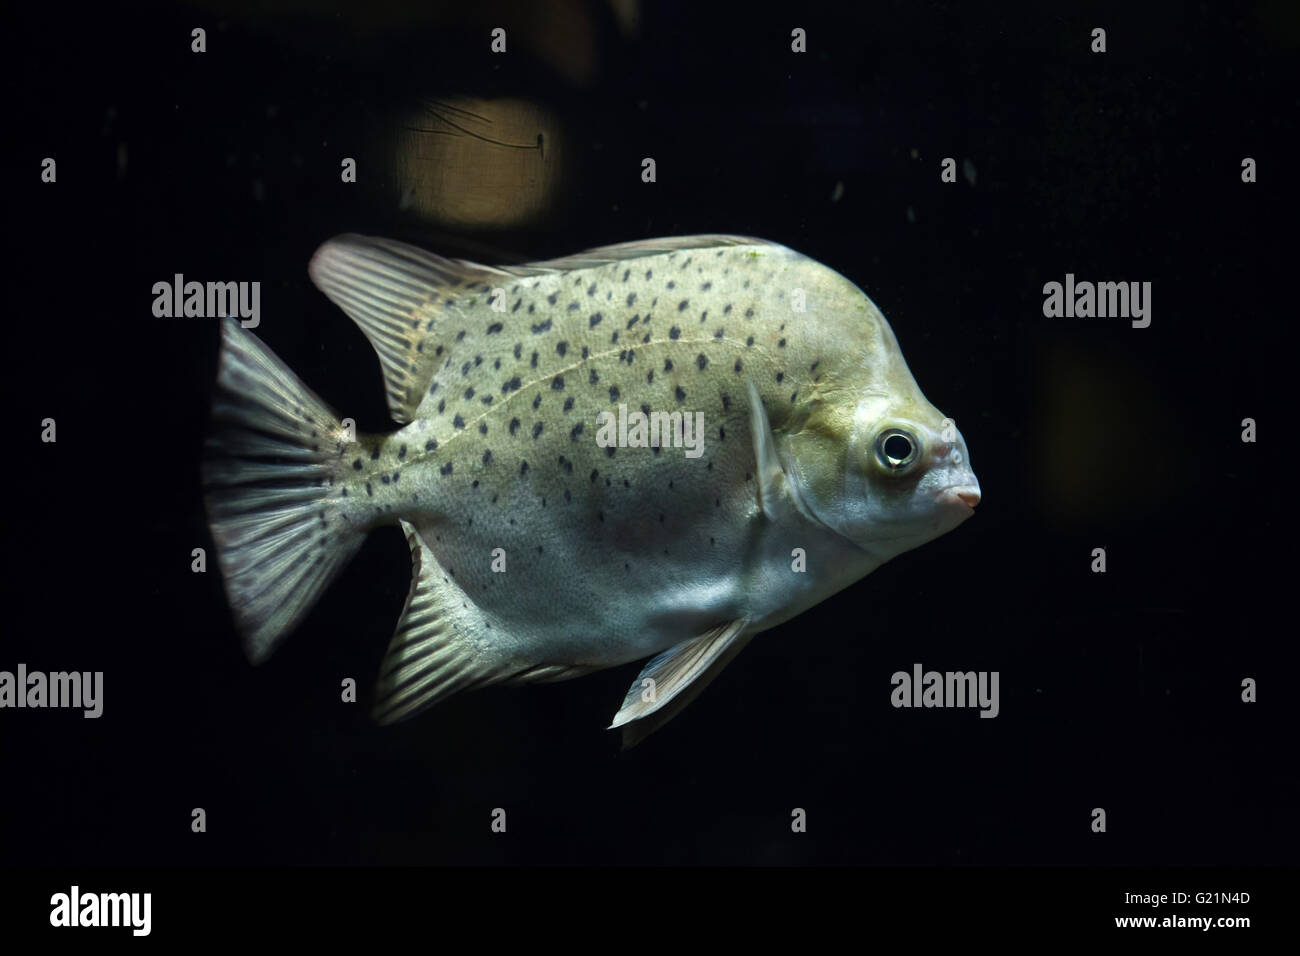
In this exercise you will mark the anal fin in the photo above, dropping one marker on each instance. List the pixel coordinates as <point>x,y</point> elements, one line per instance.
<point>679,674</point>
<point>438,648</point>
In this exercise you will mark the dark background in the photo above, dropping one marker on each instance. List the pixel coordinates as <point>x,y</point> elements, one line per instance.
<point>1119,691</point>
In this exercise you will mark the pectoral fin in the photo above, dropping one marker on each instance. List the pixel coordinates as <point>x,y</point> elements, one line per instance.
<point>778,495</point>
<point>772,482</point>
<point>679,674</point>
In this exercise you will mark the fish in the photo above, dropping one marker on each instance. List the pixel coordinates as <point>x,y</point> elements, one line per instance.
<point>549,538</point>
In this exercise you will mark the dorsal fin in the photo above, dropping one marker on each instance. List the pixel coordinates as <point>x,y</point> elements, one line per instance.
<point>398,294</point>
<point>389,289</point>
<point>604,255</point>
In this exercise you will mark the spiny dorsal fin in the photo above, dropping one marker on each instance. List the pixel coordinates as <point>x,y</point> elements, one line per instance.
<point>398,293</point>
<point>679,674</point>
<point>604,255</point>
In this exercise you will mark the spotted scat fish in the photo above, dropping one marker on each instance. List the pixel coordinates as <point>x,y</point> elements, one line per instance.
<point>549,537</point>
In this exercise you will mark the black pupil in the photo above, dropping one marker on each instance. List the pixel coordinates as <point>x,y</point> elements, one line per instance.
<point>897,448</point>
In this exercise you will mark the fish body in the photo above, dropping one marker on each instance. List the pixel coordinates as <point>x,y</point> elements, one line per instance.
<point>549,537</point>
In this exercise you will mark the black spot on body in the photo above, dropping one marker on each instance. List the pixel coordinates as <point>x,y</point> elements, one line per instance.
<point>357,464</point>
<point>541,327</point>
<point>568,403</point>
<point>681,306</point>
<point>487,456</point>
<point>592,377</point>
<point>701,361</point>
<point>594,321</point>
<point>613,394</point>
<point>674,333</point>
<point>458,422</point>
<point>575,431</point>
<point>561,347</point>
<point>445,469</point>
<point>537,430</point>
<point>431,445</point>
<point>495,327</point>
<point>514,425</point>
<point>511,386</point>
<point>537,400</point>
<point>557,383</point>
<point>469,393</point>
<point>680,393</point>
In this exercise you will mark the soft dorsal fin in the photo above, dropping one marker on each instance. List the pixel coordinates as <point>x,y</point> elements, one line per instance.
<point>390,289</point>
<point>679,674</point>
<point>398,294</point>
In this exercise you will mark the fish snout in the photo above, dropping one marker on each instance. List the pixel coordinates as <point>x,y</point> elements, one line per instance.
<point>965,497</point>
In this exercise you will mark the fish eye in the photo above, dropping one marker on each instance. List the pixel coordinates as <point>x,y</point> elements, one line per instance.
<point>896,449</point>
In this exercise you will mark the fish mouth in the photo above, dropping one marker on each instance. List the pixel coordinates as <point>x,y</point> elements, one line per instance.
<point>964,497</point>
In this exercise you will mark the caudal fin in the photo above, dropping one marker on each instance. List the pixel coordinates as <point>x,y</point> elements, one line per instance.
<point>270,478</point>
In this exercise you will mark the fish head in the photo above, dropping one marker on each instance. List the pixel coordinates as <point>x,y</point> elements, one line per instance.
<point>880,465</point>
